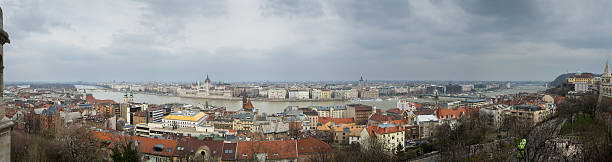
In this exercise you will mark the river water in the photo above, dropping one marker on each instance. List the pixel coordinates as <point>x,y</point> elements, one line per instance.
<point>263,106</point>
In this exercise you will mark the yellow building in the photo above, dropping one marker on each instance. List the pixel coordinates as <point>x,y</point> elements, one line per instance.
<point>183,119</point>
<point>325,94</point>
<point>341,132</point>
<point>389,135</point>
<point>243,121</point>
<point>532,114</point>
<point>581,78</point>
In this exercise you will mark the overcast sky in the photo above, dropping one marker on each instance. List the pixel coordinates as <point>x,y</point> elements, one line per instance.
<point>182,40</point>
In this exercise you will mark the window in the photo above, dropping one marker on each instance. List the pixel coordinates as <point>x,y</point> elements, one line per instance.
<point>169,150</point>
<point>228,151</point>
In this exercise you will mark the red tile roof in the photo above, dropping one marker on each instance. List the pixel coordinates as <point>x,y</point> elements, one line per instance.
<point>274,149</point>
<point>583,75</point>
<point>363,108</point>
<point>380,118</point>
<point>146,145</point>
<point>395,111</point>
<point>191,145</point>
<point>93,100</point>
<point>311,145</point>
<point>227,154</point>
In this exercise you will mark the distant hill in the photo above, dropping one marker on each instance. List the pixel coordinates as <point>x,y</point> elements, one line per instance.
<point>560,79</point>
<point>563,78</point>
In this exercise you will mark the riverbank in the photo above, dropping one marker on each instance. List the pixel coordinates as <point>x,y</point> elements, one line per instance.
<point>229,98</point>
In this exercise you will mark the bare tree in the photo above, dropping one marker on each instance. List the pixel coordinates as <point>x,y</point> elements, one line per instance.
<point>76,144</point>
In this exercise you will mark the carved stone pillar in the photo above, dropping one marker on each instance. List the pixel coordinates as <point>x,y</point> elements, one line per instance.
<point>5,124</point>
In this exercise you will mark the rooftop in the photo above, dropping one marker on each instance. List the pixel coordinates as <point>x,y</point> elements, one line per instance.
<point>526,107</point>
<point>186,116</point>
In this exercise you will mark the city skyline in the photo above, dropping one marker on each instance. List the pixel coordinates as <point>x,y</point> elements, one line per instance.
<point>303,40</point>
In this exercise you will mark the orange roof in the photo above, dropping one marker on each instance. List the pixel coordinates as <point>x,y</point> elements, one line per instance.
<point>450,112</point>
<point>106,137</point>
<point>370,130</point>
<point>338,127</point>
<point>398,122</point>
<point>249,105</point>
<point>195,117</point>
<point>379,130</point>
<point>324,120</point>
<point>274,149</point>
<point>105,101</point>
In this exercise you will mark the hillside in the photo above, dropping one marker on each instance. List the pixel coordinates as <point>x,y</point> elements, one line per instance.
<point>560,79</point>
<point>563,78</point>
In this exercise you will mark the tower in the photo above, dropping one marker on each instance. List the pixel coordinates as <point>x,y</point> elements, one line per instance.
<point>246,104</point>
<point>126,97</point>
<point>436,97</point>
<point>207,81</point>
<point>244,98</point>
<point>84,95</point>
<point>605,84</point>
<point>206,86</point>
<point>360,86</point>
<point>131,99</point>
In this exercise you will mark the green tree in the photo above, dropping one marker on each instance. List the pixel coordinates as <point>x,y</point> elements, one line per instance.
<point>127,154</point>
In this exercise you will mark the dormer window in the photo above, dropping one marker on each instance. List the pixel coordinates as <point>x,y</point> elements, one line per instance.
<point>158,148</point>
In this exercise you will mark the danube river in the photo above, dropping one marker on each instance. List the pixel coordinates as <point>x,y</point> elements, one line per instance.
<point>263,106</point>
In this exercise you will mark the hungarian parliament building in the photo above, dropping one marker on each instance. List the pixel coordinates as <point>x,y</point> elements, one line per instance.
<point>206,90</point>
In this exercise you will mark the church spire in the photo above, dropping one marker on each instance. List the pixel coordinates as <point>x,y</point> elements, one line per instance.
<point>607,70</point>
<point>207,79</point>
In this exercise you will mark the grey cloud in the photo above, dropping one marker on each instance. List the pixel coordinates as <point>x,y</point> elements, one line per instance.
<point>170,17</point>
<point>290,9</point>
<point>388,15</point>
<point>25,17</point>
<point>332,40</point>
